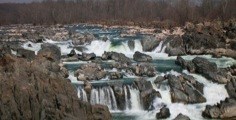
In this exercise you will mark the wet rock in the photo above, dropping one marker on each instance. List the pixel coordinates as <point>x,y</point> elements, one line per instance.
<point>175,51</point>
<point>159,79</point>
<point>185,64</point>
<point>141,57</point>
<point>79,39</point>
<point>185,89</point>
<point>181,117</point>
<point>231,88</point>
<point>175,46</point>
<point>163,114</point>
<point>118,57</point>
<point>89,72</point>
<point>149,43</point>
<point>87,56</point>
<point>144,69</point>
<point>115,75</point>
<point>120,96</point>
<point>131,44</point>
<point>4,49</point>
<point>147,98</point>
<point>37,90</point>
<point>72,53</point>
<point>87,87</point>
<point>210,70</point>
<point>28,54</point>
<point>50,51</point>
<point>224,110</point>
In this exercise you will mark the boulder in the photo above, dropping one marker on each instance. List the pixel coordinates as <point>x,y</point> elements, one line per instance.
<point>118,57</point>
<point>131,44</point>
<point>159,79</point>
<point>144,69</point>
<point>231,88</point>
<point>89,72</point>
<point>141,57</point>
<point>185,89</point>
<point>163,114</point>
<point>181,117</point>
<point>224,110</point>
<point>72,53</point>
<point>28,54</point>
<point>149,43</point>
<point>115,75</point>
<point>87,56</point>
<point>50,51</point>
<point>36,90</point>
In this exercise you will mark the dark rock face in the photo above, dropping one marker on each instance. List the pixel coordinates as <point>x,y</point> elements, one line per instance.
<point>72,53</point>
<point>181,117</point>
<point>118,57</point>
<point>147,93</point>
<point>185,64</point>
<point>90,72</point>
<point>144,69</point>
<point>149,43</point>
<point>50,51</point>
<point>231,88</point>
<point>175,46</point>
<point>163,114</point>
<point>28,54</point>
<point>210,70</point>
<point>115,75</point>
<point>131,44</point>
<point>87,56</point>
<point>38,90</point>
<point>224,110</point>
<point>120,96</point>
<point>185,89</point>
<point>141,57</point>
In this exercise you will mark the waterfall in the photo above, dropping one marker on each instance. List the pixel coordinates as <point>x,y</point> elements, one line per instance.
<point>134,98</point>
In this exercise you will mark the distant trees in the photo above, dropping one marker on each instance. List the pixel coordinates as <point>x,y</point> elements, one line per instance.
<point>136,11</point>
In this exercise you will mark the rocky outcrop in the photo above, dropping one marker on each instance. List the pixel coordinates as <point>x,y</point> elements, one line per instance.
<point>118,57</point>
<point>175,46</point>
<point>144,69</point>
<point>206,68</point>
<point>38,90</point>
<point>87,56</point>
<point>89,72</point>
<point>147,93</point>
<point>50,51</point>
<point>164,113</point>
<point>185,89</point>
<point>28,54</point>
<point>149,43</point>
<point>80,39</point>
<point>181,117</point>
<point>141,57</point>
<point>115,75</point>
<point>231,88</point>
<point>224,110</point>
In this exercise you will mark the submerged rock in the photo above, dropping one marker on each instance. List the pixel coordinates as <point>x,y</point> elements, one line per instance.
<point>164,113</point>
<point>141,57</point>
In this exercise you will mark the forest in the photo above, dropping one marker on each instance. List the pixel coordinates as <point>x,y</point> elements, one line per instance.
<point>174,12</point>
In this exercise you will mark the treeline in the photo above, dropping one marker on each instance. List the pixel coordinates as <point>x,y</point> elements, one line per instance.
<point>128,11</point>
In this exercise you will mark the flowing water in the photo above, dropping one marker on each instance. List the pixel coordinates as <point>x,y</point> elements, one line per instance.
<point>103,93</point>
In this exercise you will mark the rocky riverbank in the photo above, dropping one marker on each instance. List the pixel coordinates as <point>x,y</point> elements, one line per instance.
<point>116,67</point>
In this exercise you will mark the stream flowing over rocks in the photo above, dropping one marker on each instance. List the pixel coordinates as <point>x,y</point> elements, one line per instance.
<point>93,72</point>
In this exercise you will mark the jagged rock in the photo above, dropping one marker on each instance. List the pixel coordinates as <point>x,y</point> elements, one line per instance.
<point>50,51</point>
<point>144,69</point>
<point>175,46</point>
<point>231,88</point>
<point>163,114</point>
<point>72,53</point>
<point>37,90</point>
<point>88,56</point>
<point>159,79</point>
<point>30,55</point>
<point>181,117</point>
<point>115,75</point>
<point>210,70</point>
<point>224,110</point>
<point>141,57</point>
<point>185,89</point>
<point>118,57</point>
<point>131,44</point>
<point>89,72</point>
<point>185,64</point>
<point>149,43</point>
